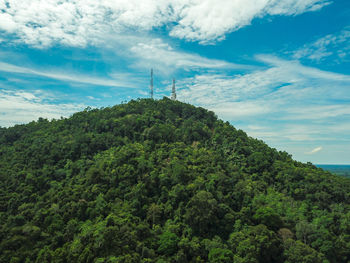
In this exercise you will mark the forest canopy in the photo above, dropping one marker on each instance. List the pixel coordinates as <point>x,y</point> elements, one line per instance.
<point>162,181</point>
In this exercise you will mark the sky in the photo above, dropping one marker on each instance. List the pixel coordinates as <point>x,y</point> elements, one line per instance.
<point>277,69</point>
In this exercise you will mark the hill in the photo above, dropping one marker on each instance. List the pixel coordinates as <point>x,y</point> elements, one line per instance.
<point>162,181</point>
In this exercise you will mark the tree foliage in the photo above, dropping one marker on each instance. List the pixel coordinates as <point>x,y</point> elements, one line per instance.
<point>162,181</point>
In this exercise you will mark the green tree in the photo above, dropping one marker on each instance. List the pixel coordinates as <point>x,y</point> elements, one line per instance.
<point>201,212</point>
<point>298,252</point>
<point>268,217</point>
<point>168,243</point>
<point>255,244</point>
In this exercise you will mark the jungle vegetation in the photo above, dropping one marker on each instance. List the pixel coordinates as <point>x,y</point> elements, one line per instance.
<point>162,181</point>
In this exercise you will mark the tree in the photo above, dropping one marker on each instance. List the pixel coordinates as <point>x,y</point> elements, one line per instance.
<point>297,251</point>
<point>201,212</point>
<point>268,217</point>
<point>220,255</point>
<point>168,243</point>
<point>255,244</point>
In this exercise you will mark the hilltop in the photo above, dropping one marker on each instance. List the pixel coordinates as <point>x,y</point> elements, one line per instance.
<point>162,181</point>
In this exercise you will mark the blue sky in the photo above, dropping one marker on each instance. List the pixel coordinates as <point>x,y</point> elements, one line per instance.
<point>278,69</point>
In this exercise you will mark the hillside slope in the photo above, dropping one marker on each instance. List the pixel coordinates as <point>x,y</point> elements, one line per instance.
<point>162,181</point>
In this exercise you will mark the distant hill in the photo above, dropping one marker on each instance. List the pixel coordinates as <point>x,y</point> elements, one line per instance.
<point>162,181</point>
<point>342,170</point>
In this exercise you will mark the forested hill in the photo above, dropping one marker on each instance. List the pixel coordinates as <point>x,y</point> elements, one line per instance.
<point>162,181</point>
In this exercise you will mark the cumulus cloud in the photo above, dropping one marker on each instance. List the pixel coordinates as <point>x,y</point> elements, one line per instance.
<point>19,107</point>
<point>42,23</point>
<point>6,23</point>
<point>209,20</point>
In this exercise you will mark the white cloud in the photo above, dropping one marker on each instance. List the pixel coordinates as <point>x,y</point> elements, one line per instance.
<point>290,106</point>
<point>92,98</point>
<point>296,132</point>
<point>77,78</point>
<point>293,67</point>
<point>285,87</point>
<point>236,95</point>
<point>209,20</point>
<point>17,107</point>
<point>240,110</point>
<point>285,104</point>
<point>317,112</point>
<point>156,52</point>
<point>333,44</point>
<point>27,96</point>
<point>42,23</point>
<point>7,23</point>
<point>144,52</point>
<point>316,150</point>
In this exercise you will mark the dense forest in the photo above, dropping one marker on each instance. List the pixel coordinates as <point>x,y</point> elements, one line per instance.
<point>162,181</point>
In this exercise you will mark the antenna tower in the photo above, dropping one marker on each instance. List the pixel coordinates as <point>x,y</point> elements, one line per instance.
<point>151,84</point>
<point>173,91</point>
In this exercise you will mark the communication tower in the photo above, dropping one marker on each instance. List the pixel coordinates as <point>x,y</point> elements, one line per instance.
<point>151,84</point>
<point>173,91</point>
